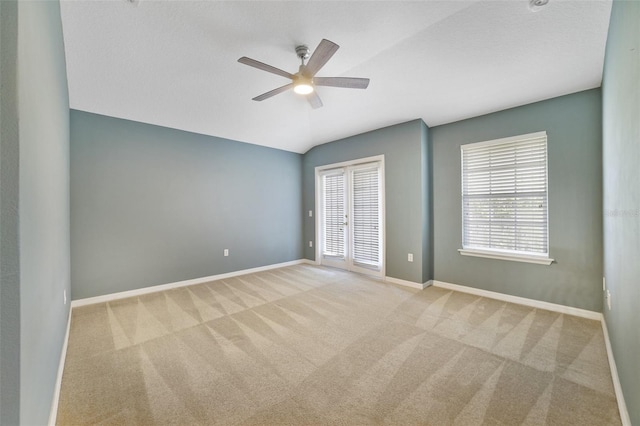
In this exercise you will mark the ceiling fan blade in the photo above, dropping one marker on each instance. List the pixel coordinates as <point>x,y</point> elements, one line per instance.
<point>264,67</point>
<point>273,92</point>
<point>321,55</point>
<point>314,100</point>
<point>347,82</point>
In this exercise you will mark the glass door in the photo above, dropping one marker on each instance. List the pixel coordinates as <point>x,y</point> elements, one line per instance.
<point>351,214</point>
<point>334,237</point>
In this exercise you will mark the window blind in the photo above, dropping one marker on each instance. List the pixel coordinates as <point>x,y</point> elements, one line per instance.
<point>334,214</point>
<point>366,217</point>
<point>504,195</point>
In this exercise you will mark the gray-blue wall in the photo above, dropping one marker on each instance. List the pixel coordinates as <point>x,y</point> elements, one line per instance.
<point>621,180</point>
<point>427,203</point>
<point>35,208</point>
<point>9,218</point>
<point>406,149</point>
<point>574,126</point>
<point>152,205</point>
<point>44,204</point>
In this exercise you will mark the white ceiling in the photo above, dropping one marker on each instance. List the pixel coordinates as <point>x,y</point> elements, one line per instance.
<point>174,63</point>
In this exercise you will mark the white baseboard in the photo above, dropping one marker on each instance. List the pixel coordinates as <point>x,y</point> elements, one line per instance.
<point>521,300</point>
<point>406,283</point>
<point>53,414</point>
<point>162,287</point>
<point>622,406</point>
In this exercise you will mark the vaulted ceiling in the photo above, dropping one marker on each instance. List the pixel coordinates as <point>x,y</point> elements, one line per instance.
<point>174,63</point>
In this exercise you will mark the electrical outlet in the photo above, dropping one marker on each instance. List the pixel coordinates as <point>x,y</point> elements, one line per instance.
<point>310,243</point>
<point>609,299</point>
<point>64,295</point>
<point>226,252</point>
<point>604,284</point>
<point>410,257</point>
<point>310,213</point>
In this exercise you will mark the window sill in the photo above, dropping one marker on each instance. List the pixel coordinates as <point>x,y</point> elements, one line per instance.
<point>540,260</point>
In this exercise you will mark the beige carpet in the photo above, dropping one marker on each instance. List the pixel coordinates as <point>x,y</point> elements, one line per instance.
<point>313,345</point>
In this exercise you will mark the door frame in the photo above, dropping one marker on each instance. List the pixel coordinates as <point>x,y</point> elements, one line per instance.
<point>318,214</point>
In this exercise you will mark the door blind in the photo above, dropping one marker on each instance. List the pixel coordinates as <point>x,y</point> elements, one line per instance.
<point>504,195</point>
<point>366,217</point>
<point>334,215</point>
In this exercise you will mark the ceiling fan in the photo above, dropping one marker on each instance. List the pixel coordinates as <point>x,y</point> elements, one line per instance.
<point>304,81</point>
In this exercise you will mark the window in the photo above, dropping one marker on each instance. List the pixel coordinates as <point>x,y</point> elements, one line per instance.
<point>504,199</point>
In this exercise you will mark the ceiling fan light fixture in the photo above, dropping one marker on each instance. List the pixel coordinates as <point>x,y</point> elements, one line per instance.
<point>303,86</point>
